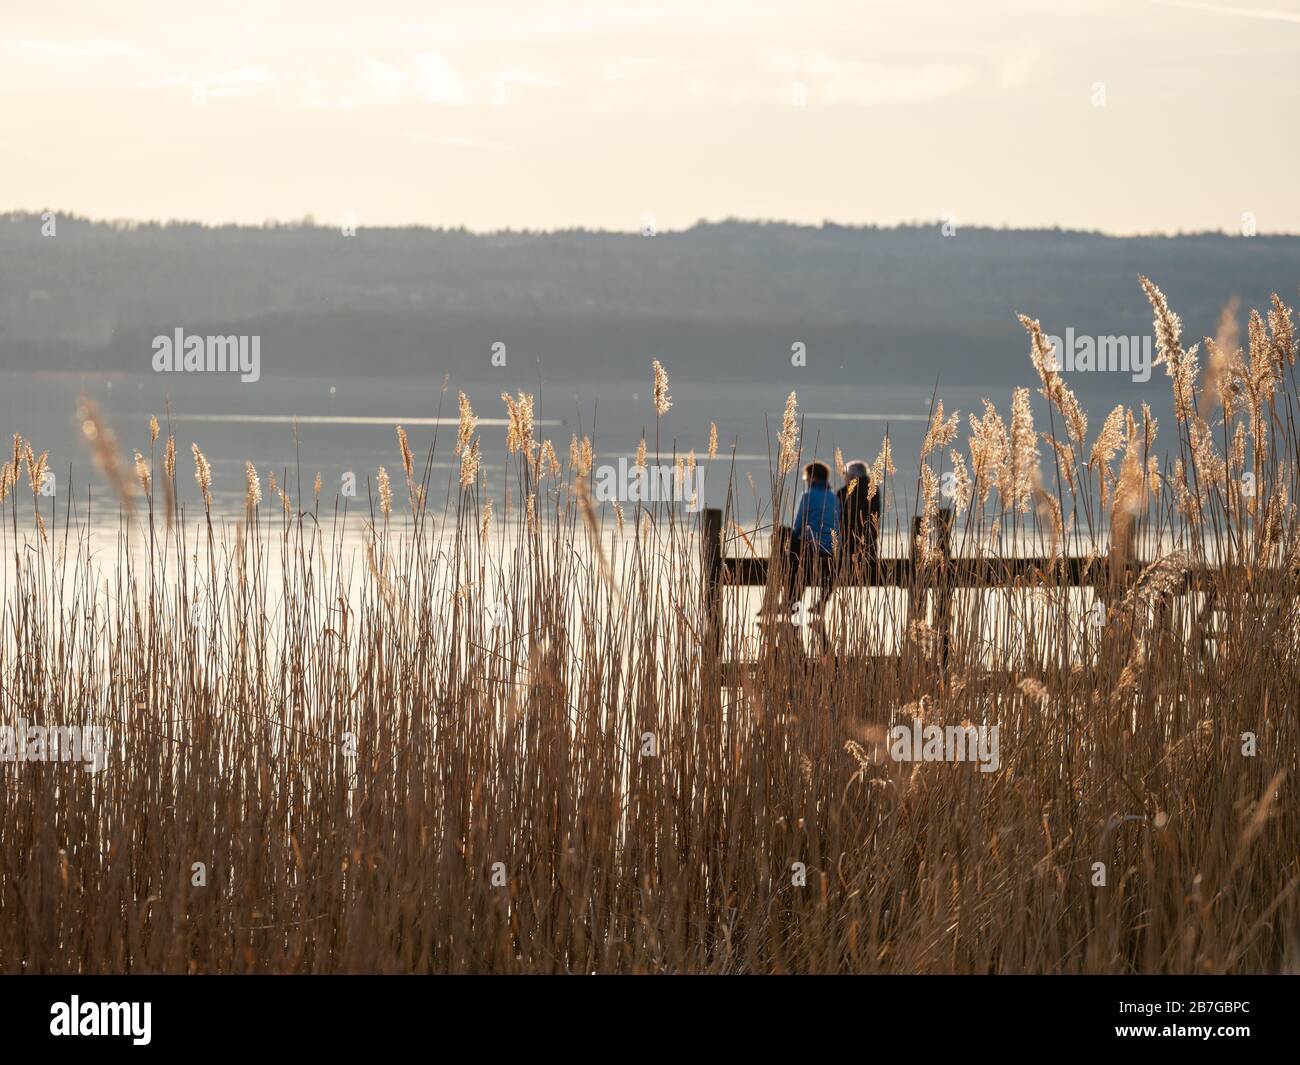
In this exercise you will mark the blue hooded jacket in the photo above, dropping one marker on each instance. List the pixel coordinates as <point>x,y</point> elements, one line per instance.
<point>817,518</point>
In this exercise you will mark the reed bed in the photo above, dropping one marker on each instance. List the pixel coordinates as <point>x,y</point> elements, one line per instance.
<point>489,732</point>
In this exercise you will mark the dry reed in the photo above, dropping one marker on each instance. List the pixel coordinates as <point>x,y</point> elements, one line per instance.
<point>525,751</point>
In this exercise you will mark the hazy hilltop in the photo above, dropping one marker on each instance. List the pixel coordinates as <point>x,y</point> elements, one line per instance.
<point>716,302</point>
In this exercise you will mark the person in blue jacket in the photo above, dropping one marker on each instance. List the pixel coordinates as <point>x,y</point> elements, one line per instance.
<point>815,537</point>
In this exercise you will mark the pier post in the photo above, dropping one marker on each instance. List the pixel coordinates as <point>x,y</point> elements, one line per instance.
<point>915,590</point>
<point>711,576</point>
<point>943,597</point>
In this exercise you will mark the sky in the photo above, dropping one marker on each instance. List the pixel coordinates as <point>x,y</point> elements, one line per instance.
<point>1118,115</point>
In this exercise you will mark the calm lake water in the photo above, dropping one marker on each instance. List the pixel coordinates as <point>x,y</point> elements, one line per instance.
<point>346,424</point>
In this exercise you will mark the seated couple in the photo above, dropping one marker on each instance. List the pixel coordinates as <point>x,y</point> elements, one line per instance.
<point>832,528</point>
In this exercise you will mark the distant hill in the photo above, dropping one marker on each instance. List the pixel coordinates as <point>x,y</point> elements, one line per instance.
<point>716,302</point>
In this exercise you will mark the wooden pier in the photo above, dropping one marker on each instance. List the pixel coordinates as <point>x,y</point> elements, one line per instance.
<point>930,584</point>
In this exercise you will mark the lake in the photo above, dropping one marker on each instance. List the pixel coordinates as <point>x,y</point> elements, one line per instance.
<point>346,424</point>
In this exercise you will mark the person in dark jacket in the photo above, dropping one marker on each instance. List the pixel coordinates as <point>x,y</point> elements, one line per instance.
<point>859,516</point>
<point>815,536</point>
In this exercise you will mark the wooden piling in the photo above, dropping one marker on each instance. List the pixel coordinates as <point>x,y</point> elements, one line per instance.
<point>915,589</point>
<point>711,569</point>
<point>943,593</point>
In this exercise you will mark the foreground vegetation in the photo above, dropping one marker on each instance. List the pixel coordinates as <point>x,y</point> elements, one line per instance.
<point>495,736</point>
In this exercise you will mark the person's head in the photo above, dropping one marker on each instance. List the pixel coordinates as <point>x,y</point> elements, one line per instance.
<point>816,473</point>
<point>855,470</point>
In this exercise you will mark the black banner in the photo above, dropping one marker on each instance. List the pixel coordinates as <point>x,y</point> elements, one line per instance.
<point>337,1014</point>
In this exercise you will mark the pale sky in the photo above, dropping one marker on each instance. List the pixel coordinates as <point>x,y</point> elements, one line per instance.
<point>550,113</point>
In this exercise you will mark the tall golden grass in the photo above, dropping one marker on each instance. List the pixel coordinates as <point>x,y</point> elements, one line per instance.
<point>549,775</point>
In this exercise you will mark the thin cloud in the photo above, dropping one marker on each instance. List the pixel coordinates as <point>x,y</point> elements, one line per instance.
<point>833,80</point>
<point>91,48</point>
<point>459,142</point>
<point>1241,12</point>
<point>241,82</point>
<point>24,150</point>
<point>437,81</point>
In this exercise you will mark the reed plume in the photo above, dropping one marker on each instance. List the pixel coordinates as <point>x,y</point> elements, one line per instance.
<point>519,433</point>
<point>466,426</point>
<point>548,462</point>
<point>662,400</point>
<point>469,464</point>
<point>103,449</point>
<point>142,473</point>
<point>407,459</point>
<point>881,467</point>
<point>1180,365</point>
<point>202,474</point>
<point>252,489</point>
<point>788,438</point>
<point>938,435</point>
